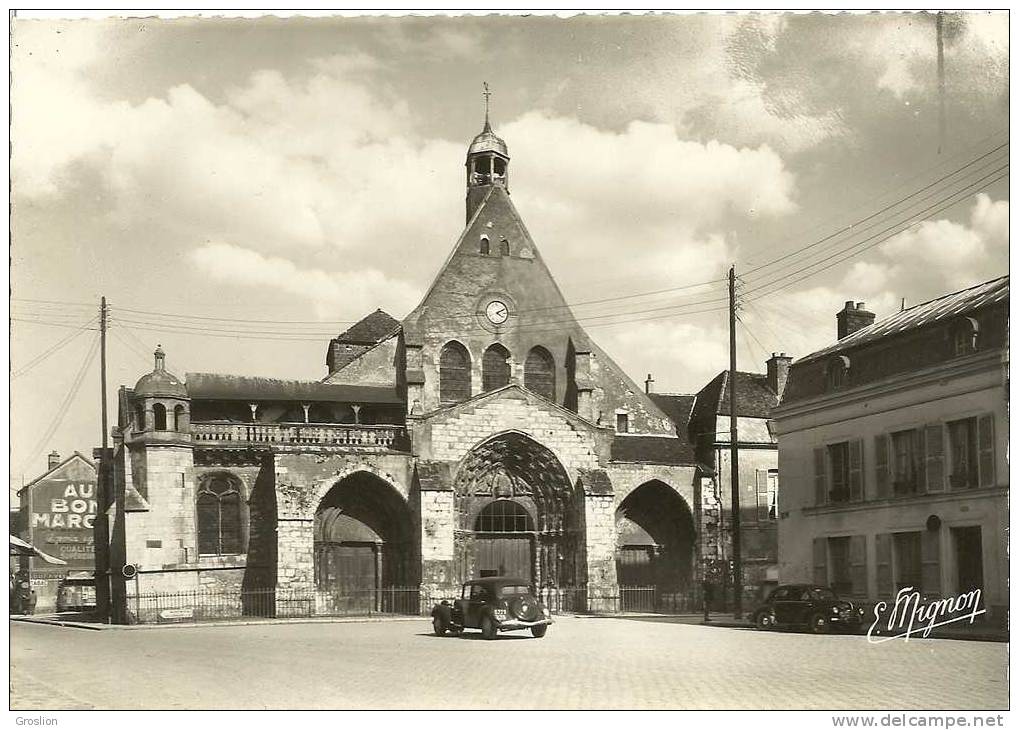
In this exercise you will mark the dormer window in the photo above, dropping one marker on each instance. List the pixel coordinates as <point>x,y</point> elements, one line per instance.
<point>485,247</point>
<point>504,247</point>
<point>837,372</point>
<point>965,336</point>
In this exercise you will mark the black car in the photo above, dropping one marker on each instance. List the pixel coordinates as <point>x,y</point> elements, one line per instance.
<point>492,605</point>
<point>815,608</point>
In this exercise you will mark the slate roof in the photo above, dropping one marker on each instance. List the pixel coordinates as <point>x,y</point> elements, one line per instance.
<point>375,327</point>
<point>653,450</point>
<point>936,310</point>
<point>754,399</point>
<point>677,407</point>
<point>212,386</point>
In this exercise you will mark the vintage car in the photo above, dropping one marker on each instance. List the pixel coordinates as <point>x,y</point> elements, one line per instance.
<point>76,592</point>
<point>815,608</point>
<point>492,605</point>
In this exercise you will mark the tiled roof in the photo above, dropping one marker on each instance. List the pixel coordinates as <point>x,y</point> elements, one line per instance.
<point>375,327</point>
<point>676,407</point>
<point>936,310</point>
<point>212,386</point>
<point>754,399</point>
<point>653,450</point>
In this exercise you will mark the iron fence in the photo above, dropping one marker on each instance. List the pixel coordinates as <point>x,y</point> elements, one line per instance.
<point>215,605</point>
<point>227,604</point>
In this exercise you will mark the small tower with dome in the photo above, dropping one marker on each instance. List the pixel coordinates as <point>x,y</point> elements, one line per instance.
<point>487,164</point>
<point>161,402</point>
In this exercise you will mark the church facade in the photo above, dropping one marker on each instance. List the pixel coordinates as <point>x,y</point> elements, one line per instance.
<point>485,433</point>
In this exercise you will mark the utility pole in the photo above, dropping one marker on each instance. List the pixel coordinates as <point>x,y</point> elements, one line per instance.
<point>737,560</point>
<point>101,528</point>
<point>940,28</point>
<point>102,371</point>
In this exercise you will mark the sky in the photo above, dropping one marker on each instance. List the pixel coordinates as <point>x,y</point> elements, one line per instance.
<point>241,190</point>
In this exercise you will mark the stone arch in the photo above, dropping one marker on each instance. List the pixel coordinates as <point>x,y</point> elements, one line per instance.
<point>514,466</point>
<point>221,514</point>
<point>454,373</point>
<point>655,539</point>
<point>158,417</point>
<point>495,367</point>
<point>363,541</point>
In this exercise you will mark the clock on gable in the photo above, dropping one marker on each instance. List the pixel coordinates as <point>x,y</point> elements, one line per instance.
<point>496,311</point>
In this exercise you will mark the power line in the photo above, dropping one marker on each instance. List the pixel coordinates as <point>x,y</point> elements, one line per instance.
<point>857,223</point>
<point>937,207</point>
<point>62,408</point>
<point>50,324</point>
<point>43,355</point>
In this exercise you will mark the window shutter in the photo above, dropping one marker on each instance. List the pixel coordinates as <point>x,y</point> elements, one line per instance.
<point>856,471</point>
<point>858,564</point>
<point>820,478</point>
<point>935,458</point>
<point>883,545</point>
<point>986,446</point>
<point>821,561</point>
<point>931,563</point>
<point>919,444</point>
<point>881,465</point>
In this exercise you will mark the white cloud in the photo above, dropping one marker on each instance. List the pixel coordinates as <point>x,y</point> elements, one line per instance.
<point>653,347</point>
<point>334,294</point>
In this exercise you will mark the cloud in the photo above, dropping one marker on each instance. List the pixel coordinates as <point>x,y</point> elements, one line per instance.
<point>651,347</point>
<point>349,292</point>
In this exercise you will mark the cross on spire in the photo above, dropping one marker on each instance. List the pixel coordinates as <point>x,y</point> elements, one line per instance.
<point>486,93</point>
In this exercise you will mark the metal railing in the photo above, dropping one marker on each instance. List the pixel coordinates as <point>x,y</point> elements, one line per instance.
<point>224,605</point>
<point>301,434</point>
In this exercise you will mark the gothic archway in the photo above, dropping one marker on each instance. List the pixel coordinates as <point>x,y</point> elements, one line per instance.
<point>518,511</point>
<point>654,544</point>
<point>363,543</point>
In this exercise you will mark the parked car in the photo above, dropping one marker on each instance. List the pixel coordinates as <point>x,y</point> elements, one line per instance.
<point>492,605</point>
<point>815,608</point>
<point>77,592</point>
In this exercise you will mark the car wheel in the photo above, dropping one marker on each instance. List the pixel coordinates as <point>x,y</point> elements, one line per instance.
<point>488,629</point>
<point>438,625</point>
<point>818,624</point>
<point>538,631</point>
<point>765,621</point>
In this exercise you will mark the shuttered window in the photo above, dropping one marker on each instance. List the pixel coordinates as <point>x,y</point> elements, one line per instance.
<point>858,564</point>
<point>820,478</point>
<point>881,465</point>
<point>883,555</point>
<point>495,368</point>
<point>856,471</point>
<point>934,442</point>
<point>987,451</point>
<point>454,373</point>
<point>539,372</point>
<point>931,564</point>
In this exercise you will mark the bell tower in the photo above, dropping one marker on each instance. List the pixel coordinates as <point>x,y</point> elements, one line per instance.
<point>487,164</point>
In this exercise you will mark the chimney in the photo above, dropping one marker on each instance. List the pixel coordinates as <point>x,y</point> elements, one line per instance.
<point>649,384</point>
<point>778,372</point>
<point>52,460</point>
<point>853,318</point>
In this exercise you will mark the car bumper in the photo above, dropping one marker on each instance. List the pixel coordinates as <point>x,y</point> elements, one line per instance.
<point>849,621</point>
<point>514,624</point>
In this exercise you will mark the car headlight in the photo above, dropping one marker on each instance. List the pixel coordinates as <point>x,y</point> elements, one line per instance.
<point>834,609</point>
<point>500,614</point>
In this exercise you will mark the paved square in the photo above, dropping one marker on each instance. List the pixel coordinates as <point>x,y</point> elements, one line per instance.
<point>583,663</point>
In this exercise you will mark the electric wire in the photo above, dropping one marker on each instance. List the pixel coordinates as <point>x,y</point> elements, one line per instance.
<point>27,367</point>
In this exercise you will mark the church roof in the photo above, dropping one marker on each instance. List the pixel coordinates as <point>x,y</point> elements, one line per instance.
<point>677,407</point>
<point>213,386</point>
<point>653,450</point>
<point>375,327</point>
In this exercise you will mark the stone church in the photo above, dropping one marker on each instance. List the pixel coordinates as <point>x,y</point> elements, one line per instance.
<point>485,433</point>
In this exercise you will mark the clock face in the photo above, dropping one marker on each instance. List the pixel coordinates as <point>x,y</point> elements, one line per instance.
<point>497,312</point>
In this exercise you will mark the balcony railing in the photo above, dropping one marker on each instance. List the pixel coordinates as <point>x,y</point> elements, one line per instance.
<point>301,434</point>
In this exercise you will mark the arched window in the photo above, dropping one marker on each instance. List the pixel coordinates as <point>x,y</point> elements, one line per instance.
<point>454,373</point>
<point>485,247</point>
<point>178,418</point>
<point>159,416</point>
<point>503,247</point>
<point>503,515</point>
<point>837,371</point>
<point>965,336</point>
<point>218,508</point>
<point>495,368</point>
<point>539,372</point>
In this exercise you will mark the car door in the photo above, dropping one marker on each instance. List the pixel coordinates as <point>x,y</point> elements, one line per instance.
<point>803,607</point>
<point>781,605</point>
<point>475,606</point>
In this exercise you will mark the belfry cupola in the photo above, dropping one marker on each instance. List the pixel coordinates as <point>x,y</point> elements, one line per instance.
<point>487,164</point>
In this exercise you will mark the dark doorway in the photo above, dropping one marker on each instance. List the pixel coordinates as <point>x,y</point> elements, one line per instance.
<point>502,543</point>
<point>969,558</point>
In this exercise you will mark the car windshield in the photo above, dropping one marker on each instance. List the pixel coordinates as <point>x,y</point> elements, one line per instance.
<point>514,591</point>
<point>822,594</point>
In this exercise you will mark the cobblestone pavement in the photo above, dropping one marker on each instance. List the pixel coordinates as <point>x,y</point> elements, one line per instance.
<point>582,663</point>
